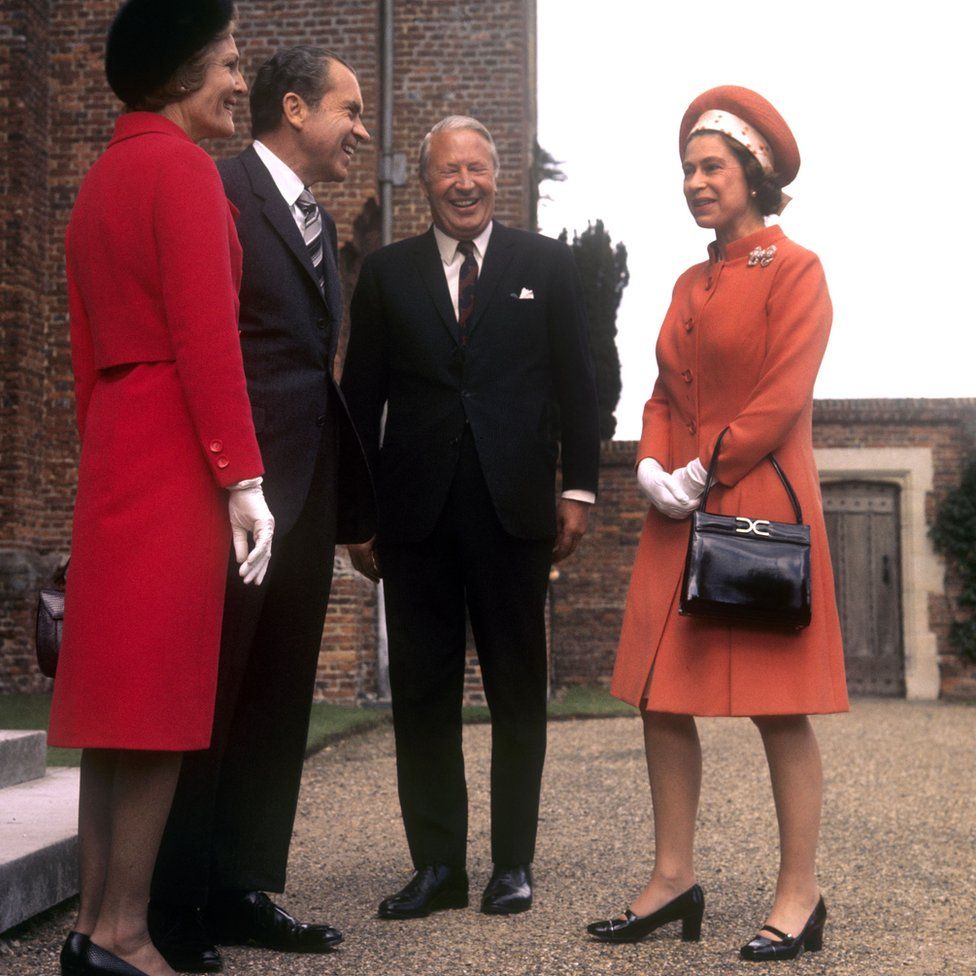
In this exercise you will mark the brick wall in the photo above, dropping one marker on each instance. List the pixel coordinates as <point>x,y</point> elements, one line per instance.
<point>468,56</point>
<point>589,596</point>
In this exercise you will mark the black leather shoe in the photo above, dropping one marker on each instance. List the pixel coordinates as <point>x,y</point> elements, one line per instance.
<point>689,907</point>
<point>432,888</point>
<point>252,918</point>
<point>73,954</point>
<point>101,962</point>
<point>179,934</point>
<point>810,939</point>
<point>509,891</point>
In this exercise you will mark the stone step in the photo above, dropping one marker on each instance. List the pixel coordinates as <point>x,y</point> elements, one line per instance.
<point>38,845</point>
<point>22,756</point>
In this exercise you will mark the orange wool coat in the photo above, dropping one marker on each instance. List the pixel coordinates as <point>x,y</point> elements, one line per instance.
<point>740,346</point>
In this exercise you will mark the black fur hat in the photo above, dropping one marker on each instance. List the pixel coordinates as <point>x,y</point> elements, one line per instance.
<point>150,39</point>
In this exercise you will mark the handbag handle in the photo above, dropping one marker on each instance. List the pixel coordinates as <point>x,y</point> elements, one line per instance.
<point>710,479</point>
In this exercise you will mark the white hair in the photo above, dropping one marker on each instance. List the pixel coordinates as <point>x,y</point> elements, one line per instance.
<point>449,124</point>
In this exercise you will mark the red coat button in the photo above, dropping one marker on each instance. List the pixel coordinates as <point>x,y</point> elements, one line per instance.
<point>692,427</point>
<point>222,461</point>
<point>216,447</point>
<point>686,376</point>
<point>689,324</point>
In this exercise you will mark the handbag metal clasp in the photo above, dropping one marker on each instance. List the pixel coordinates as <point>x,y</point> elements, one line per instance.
<point>755,527</point>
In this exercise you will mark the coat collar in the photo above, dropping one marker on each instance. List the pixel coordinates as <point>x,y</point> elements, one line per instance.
<point>740,248</point>
<point>131,124</point>
<point>278,214</point>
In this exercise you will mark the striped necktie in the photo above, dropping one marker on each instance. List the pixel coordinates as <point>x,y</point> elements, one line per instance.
<point>467,281</point>
<point>312,232</point>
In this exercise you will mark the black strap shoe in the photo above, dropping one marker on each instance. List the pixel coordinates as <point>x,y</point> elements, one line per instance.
<point>688,907</point>
<point>810,939</point>
<point>509,891</point>
<point>252,918</point>
<point>72,957</point>
<point>433,888</point>
<point>179,934</point>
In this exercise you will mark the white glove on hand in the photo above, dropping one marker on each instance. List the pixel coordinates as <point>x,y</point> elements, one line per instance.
<point>691,478</point>
<point>663,491</point>
<point>249,513</point>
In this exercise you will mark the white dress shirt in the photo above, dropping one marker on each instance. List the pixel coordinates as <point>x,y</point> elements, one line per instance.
<point>452,259</point>
<point>286,179</point>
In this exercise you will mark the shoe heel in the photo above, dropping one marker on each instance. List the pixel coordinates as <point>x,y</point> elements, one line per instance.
<point>814,940</point>
<point>691,927</point>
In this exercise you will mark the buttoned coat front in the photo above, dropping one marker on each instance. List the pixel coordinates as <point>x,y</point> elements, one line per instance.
<point>740,347</point>
<point>154,265</point>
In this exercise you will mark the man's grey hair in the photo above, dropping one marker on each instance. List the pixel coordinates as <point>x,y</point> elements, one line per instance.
<point>450,124</point>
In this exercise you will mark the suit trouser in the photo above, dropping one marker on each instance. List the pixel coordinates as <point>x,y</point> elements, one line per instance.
<point>468,560</point>
<point>232,817</point>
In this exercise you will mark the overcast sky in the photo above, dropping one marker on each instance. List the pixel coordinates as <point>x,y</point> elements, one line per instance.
<point>882,100</point>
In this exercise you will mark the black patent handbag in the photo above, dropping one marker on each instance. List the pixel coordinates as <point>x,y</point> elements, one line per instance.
<point>49,625</point>
<point>752,571</point>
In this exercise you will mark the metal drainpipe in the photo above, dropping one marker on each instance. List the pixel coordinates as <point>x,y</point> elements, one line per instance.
<point>386,183</point>
<point>386,121</point>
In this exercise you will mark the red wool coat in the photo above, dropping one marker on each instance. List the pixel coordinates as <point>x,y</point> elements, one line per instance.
<point>154,266</point>
<point>740,346</point>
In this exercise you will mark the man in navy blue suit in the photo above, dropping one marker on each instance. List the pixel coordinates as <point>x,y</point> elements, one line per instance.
<point>228,835</point>
<point>474,337</point>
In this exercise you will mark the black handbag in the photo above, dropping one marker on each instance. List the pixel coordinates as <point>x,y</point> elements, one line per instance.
<point>50,621</point>
<point>748,570</point>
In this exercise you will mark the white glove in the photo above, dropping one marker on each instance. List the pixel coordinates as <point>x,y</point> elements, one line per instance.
<point>663,491</point>
<point>691,478</point>
<point>249,513</point>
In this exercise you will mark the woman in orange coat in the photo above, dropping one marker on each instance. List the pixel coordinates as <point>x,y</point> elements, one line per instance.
<point>739,348</point>
<point>167,446</point>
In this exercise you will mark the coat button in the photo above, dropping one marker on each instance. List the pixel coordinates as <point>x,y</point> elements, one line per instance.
<point>686,376</point>
<point>320,323</point>
<point>216,447</point>
<point>222,461</point>
<point>689,324</point>
<point>320,420</point>
<point>692,427</point>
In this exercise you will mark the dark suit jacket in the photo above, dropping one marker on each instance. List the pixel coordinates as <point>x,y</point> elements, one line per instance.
<point>288,339</point>
<point>524,356</point>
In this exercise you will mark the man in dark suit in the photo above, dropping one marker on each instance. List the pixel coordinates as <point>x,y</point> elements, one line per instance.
<point>227,838</point>
<point>473,335</point>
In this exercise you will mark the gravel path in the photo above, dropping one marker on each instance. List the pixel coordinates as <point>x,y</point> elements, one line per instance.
<point>898,866</point>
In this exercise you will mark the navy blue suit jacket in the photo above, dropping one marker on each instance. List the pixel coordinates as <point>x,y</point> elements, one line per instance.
<point>525,357</point>
<point>289,331</point>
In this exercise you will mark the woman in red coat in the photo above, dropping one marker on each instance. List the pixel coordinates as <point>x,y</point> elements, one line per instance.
<point>739,348</point>
<point>165,423</point>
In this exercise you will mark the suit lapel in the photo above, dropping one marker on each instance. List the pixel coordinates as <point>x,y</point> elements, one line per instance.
<point>333,284</point>
<point>431,267</point>
<point>276,211</point>
<point>497,259</point>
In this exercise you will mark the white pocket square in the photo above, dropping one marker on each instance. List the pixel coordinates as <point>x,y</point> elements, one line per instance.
<point>526,294</point>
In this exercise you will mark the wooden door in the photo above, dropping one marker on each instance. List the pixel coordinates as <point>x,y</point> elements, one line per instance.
<point>863,531</point>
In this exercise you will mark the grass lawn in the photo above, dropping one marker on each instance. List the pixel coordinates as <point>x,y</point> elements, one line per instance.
<point>328,723</point>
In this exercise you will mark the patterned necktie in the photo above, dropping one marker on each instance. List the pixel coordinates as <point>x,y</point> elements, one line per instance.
<point>466,284</point>
<point>312,233</point>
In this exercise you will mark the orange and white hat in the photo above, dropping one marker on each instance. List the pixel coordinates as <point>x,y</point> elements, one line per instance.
<point>748,118</point>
